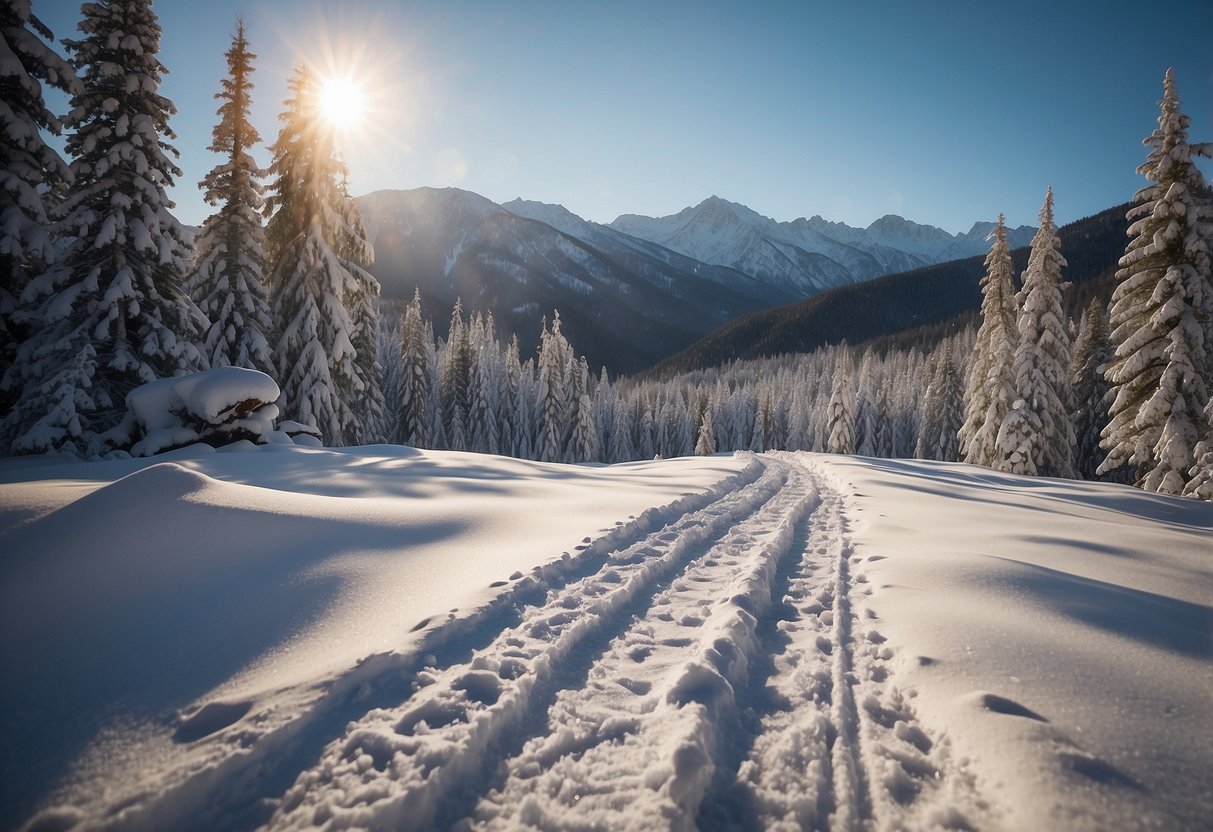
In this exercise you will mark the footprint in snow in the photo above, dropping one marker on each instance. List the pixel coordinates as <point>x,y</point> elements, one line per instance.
<point>1001,705</point>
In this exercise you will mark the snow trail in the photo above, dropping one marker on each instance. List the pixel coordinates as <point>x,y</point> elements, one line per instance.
<point>711,664</point>
<point>403,766</point>
<point>638,742</point>
<point>238,786</point>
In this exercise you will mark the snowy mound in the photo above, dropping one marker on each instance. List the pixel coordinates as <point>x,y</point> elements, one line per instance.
<point>216,407</point>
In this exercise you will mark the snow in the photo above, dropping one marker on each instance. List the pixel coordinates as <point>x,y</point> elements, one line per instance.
<point>1059,631</point>
<point>395,638</point>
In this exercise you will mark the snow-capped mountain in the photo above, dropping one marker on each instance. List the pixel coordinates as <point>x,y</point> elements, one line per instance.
<point>639,289</point>
<point>808,255</point>
<point>626,302</point>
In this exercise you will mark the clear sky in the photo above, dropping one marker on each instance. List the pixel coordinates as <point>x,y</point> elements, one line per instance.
<point>942,112</point>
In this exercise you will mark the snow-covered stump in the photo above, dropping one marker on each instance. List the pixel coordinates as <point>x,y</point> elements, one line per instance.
<point>215,407</point>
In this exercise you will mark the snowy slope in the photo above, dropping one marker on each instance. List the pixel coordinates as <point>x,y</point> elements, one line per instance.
<point>391,638</point>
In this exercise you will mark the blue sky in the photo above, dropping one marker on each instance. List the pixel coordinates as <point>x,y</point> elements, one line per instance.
<point>942,112</point>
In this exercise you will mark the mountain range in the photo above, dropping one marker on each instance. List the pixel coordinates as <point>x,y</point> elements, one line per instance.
<point>915,307</point>
<point>639,289</point>
<point>808,255</point>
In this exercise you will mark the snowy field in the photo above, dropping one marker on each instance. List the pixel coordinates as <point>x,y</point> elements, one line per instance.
<point>396,639</point>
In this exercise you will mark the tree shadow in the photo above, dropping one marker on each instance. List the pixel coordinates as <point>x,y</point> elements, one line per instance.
<point>1155,620</point>
<point>129,604</point>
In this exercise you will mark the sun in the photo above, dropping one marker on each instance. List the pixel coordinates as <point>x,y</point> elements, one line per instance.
<point>342,102</point>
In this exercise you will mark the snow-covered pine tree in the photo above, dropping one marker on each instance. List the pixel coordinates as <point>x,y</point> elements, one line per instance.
<point>414,404</point>
<point>841,414</point>
<point>554,409</point>
<point>705,443</point>
<point>1041,441</point>
<point>583,443</point>
<point>111,314</point>
<point>393,378</point>
<point>990,387</point>
<point>943,410</point>
<point>604,414</point>
<point>622,448</point>
<point>1162,312</point>
<point>867,416</point>
<point>646,432</point>
<point>316,246</point>
<point>1200,486</point>
<point>370,425</point>
<point>227,280</point>
<point>437,431</point>
<point>455,385</point>
<point>526,418</point>
<point>507,415</point>
<point>487,371</point>
<point>32,169</point>
<point>1092,351</point>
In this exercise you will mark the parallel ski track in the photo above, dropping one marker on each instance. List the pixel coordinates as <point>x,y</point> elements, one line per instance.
<point>399,767</point>
<point>637,739</point>
<point>243,789</point>
<point>711,664</point>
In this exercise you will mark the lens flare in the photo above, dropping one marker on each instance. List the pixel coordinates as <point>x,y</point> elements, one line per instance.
<point>342,102</point>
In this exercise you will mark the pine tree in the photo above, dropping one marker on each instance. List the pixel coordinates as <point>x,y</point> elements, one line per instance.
<point>455,385</point>
<point>414,412</point>
<point>1092,351</point>
<point>1200,486</point>
<point>364,315</point>
<point>646,432</point>
<point>1040,438</point>
<point>554,408</point>
<point>867,416</point>
<point>32,169</point>
<point>943,410</point>
<point>509,421</point>
<point>227,281</point>
<point>393,379</point>
<point>486,388</point>
<point>317,247</point>
<point>623,448</point>
<point>1162,313</point>
<point>705,444</point>
<point>583,443</point>
<point>841,418</point>
<point>991,380</point>
<point>110,315</point>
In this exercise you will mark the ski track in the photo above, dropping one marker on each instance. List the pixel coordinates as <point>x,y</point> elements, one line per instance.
<point>257,764</point>
<point>712,664</point>
<point>402,767</point>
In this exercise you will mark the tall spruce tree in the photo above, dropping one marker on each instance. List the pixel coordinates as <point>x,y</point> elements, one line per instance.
<point>943,409</point>
<point>32,169</point>
<point>414,405</point>
<point>991,380</point>
<point>110,315</point>
<point>1037,436</point>
<point>841,413</point>
<point>1092,351</point>
<point>555,410</point>
<point>317,249</point>
<point>1162,313</point>
<point>227,281</point>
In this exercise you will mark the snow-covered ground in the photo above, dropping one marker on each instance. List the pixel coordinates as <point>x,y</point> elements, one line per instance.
<point>390,638</point>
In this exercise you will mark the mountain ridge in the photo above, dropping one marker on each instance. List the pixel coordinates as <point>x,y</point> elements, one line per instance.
<point>628,301</point>
<point>927,297</point>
